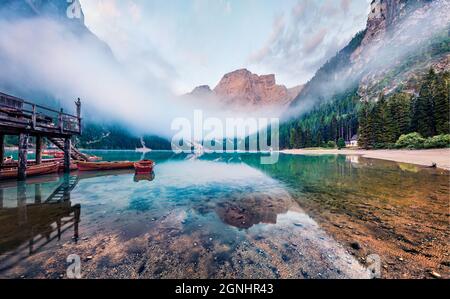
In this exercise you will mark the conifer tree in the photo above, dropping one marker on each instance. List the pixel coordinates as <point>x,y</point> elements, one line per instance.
<point>442,104</point>
<point>379,121</point>
<point>398,119</point>
<point>365,127</point>
<point>424,122</point>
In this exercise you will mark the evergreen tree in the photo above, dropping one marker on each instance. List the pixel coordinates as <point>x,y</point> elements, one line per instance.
<point>341,143</point>
<point>442,104</point>
<point>398,119</point>
<point>379,122</point>
<point>365,127</point>
<point>293,138</point>
<point>424,122</point>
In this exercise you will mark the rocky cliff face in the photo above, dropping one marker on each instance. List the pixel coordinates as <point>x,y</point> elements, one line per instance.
<point>386,14</point>
<point>242,89</point>
<point>402,40</point>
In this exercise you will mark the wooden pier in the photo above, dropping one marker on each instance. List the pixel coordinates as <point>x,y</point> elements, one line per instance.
<point>25,119</point>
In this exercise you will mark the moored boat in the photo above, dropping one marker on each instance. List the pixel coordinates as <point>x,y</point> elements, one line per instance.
<point>100,166</point>
<point>34,170</point>
<point>94,159</point>
<point>73,166</point>
<point>144,167</point>
<point>15,164</point>
<point>59,155</point>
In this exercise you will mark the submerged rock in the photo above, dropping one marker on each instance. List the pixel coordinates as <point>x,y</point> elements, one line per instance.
<point>355,245</point>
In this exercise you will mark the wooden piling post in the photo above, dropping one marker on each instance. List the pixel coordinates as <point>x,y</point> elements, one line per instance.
<point>78,104</point>
<point>2,148</point>
<point>67,149</point>
<point>22,203</point>
<point>61,121</point>
<point>33,117</point>
<point>77,213</point>
<point>23,156</point>
<point>37,194</point>
<point>38,150</point>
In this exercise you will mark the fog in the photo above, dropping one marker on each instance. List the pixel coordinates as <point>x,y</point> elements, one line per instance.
<point>66,61</point>
<point>410,36</point>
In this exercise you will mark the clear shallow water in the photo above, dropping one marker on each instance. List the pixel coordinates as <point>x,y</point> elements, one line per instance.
<point>227,216</point>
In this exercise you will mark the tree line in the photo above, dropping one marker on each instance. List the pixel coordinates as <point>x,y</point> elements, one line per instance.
<point>324,126</point>
<point>383,122</point>
<point>378,124</point>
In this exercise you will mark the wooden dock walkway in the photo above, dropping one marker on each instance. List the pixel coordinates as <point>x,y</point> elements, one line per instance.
<point>25,119</point>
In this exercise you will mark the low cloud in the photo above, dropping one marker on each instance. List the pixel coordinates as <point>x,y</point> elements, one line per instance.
<point>49,57</point>
<point>304,39</point>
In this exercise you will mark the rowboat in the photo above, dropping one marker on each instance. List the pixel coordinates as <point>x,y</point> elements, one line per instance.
<point>144,167</point>
<point>15,164</point>
<point>59,155</point>
<point>50,152</point>
<point>101,166</point>
<point>94,159</point>
<point>84,175</point>
<point>73,166</point>
<point>34,170</point>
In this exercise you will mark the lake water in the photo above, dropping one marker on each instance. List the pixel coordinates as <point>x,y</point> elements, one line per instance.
<point>228,216</point>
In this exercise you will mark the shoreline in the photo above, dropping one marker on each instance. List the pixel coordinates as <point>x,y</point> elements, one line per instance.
<point>417,157</point>
<point>426,158</point>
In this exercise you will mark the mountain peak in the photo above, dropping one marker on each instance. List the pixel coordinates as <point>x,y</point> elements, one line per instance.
<point>242,88</point>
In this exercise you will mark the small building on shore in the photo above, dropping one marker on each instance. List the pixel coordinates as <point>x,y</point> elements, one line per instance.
<point>353,141</point>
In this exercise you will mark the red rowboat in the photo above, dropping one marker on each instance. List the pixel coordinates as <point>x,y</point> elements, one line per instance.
<point>100,166</point>
<point>59,155</point>
<point>144,167</point>
<point>94,159</point>
<point>73,166</point>
<point>47,168</point>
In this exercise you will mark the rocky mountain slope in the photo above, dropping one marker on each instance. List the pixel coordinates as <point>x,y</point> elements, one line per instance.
<point>402,40</point>
<point>70,19</point>
<point>385,66</point>
<point>242,89</point>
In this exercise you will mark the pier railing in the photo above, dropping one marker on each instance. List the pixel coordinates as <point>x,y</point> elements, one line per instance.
<point>20,114</point>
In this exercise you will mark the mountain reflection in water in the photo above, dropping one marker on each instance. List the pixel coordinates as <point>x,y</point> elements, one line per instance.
<point>220,216</point>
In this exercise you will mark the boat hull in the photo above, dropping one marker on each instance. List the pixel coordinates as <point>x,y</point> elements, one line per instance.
<point>35,170</point>
<point>144,167</point>
<point>103,166</point>
<point>73,167</point>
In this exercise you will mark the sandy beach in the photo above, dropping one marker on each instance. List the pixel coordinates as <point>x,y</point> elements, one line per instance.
<point>418,157</point>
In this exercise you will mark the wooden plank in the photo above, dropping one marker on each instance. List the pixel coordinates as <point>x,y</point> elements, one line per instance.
<point>23,156</point>
<point>14,120</point>
<point>38,149</point>
<point>67,154</point>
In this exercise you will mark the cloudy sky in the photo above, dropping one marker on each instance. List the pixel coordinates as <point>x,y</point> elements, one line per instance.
<point>195,42</point>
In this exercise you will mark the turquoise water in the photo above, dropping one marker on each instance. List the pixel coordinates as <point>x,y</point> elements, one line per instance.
<point>220,216</point>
